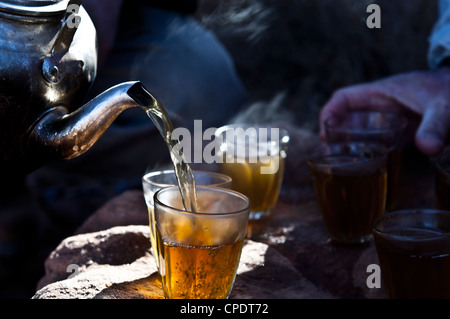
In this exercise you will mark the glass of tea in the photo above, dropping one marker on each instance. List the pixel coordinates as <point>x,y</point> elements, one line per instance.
<point>350,183</point>
<point>442,180</point>
<point>154,181</point>
<point>374,127</point>
<point>254,157</point>
<point>200,252</point>
<point>413,248</point>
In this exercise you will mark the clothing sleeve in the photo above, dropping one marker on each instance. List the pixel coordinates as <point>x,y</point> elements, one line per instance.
<point>439,49</point>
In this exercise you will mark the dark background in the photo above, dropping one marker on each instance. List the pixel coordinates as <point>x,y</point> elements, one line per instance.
<point>293,53</point>
<point>306,49</point>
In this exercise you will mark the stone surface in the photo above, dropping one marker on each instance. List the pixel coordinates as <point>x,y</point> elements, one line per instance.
<point>117,263</point>
<point>113,247</point>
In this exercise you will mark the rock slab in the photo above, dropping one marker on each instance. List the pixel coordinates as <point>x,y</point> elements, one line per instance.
<point>117,264</point>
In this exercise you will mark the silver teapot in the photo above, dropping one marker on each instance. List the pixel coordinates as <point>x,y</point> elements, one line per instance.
<point>48,61</point>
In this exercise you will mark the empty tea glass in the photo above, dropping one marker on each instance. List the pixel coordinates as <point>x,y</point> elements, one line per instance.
<point>200,252</point>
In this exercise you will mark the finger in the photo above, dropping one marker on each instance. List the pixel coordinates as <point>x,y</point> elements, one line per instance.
<point>433,131</point>
<point>363,97</point>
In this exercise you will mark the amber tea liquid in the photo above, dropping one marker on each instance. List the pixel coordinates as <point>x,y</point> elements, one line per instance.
<point>198,271</point>
<point>351,194</point>
<point>183,171</point>
<point>411,272</point>
<point>185,177</point>
<point>262,189</point>
<point>196,260</point>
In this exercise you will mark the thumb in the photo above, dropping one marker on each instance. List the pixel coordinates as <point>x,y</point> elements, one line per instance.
<point>433,131</point>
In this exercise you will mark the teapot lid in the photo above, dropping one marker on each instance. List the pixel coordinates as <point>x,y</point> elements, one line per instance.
<point>34,7</point>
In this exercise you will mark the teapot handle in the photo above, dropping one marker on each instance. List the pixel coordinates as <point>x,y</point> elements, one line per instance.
<point>71,21</point>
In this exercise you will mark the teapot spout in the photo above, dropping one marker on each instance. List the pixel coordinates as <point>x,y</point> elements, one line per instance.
<point>60,135</point>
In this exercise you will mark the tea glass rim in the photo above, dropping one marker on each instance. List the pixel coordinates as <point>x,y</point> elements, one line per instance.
<point>244,210</point>
<point>318,153</point>
<point>401,125</point>
<point>283,136</point>
<point>145,178</point>
<point>408,212</point>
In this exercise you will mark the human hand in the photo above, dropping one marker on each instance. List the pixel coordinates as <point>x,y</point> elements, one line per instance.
<point>423,93</point>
